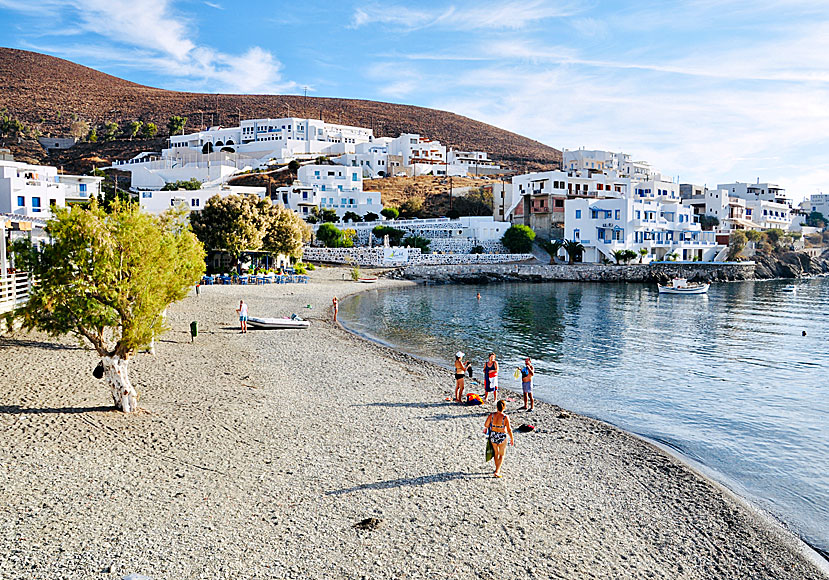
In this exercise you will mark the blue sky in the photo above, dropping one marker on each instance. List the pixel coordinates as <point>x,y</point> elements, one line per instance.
<point>707,91</point>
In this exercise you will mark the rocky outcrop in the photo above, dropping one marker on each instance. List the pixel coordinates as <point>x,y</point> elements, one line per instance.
<point>789,265</point>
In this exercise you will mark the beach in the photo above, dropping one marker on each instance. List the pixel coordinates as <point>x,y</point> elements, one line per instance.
<point>256,454</point>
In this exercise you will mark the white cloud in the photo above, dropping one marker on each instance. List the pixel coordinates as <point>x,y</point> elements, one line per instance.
<point>152,35</point>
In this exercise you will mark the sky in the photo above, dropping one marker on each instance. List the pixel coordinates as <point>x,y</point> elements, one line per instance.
<point>707,91</point>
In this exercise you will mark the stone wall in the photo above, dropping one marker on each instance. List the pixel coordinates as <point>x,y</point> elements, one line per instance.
<point>656,272</point>
<point>374,257</point>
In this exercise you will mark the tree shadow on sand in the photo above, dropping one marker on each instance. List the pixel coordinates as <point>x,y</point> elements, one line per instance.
<point>414,404</point>
<point>25,343</point>
<point>411,481</point>
<point>18,410</point>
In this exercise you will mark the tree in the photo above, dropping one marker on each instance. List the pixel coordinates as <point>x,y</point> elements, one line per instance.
<point>285,233</point>
<point>176,124</point>
<point>395,235</point>
<point>350,216</point>
<point>78,129</point>
<point>331,236</point>
<point>349,235</point>
<point>618,255</point>
<point>755,236</point>
<point>371,217</point>
<point>736,244</point>
<point>552,248</point>
<point>207,148</point>
<point>628,255</point>
<point>132,129</point>
<point>411,208</point>
<point>107,278</point>
<point>642,253</point>
<point>191,184</point>
<point>329,215</point>
<point>708,222</point>
<point>574,251</point>
<point>390,213</point>
<point>231,224</point>
<point>10,127</point>
<point>418,242</point>
<point>816,220</point>
<point>476,202</point>
<point>518,239</point>
<point>111,131</point>
<point>149,130</point>
<point>293,167</point>
<point>776,237</point>
<point>453,214</point>
<point>93,135</point>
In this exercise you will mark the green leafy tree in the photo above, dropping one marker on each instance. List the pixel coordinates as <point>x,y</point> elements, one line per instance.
<point>518,239</point>
<point>107,278</point>
<point>476,203</point>
<point>349,236</point>
<point>285,233</point>
<point>755,236</point>
<point>111,131</point>
<point>9,126</point>
<point>708,222</point>
<point>78,129</point>
<point>132,129</point>
<point>642,253</point>
<point>232,224</point>
<point>93,135</point>
<point>371,217</point>
<point>395,235</point>
<point>453,214</point>
<point>352,217</point>
<point>329,215</point>
<point>149,130</point>
<point>390,213</point>
<point>552,248</point>
<point>191,184</point>
<point>411,208</point>
<point>418,242</point>
<point>736,244</point>
<point>816,220</point>
<point>293,167</point>
<point>574,251</point>
<point>331,236</point>
<point>776,237</point>
<point>628,256</point>
<point>176,124</point>
<point>619,256</point>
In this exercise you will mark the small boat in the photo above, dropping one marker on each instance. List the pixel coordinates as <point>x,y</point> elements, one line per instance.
<point>275,323</point>
<point>682,286</point>
<point>367,280</point>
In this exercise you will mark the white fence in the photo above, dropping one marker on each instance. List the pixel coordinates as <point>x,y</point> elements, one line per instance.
<point>14,291</point>
<point>403,257</point>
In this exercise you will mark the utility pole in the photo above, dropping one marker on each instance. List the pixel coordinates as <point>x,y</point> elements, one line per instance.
<point>450,193</point>
<point>239,113</point>
<point>305,102</point>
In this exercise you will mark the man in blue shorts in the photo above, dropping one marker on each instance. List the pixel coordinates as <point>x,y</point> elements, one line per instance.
<point>527,383</point>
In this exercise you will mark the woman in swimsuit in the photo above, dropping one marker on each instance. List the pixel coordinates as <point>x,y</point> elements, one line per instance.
<point>491,378</point>
<point>460,373</point>
<point>498,427</point>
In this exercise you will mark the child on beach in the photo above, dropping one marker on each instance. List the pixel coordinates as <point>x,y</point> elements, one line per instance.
<point>243,315</point>
<point>527,374</point>
<point>498,427</point>
<point>491,378</point>
<point>460,373</point>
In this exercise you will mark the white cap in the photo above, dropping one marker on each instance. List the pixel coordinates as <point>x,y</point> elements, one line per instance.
<point>459,354</point>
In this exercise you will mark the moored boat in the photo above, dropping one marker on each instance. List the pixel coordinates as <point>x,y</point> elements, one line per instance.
<point>682,286</point>
<point>367,280</point>
<point>276,323</point>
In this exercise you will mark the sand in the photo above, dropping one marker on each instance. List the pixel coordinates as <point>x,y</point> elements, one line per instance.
<point>257,453</point>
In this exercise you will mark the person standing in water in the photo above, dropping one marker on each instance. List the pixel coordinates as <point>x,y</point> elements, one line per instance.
<point>491,378</point>
<point>243,315</point>
<point>498,427</point>
<point>527,374</point>
<point>460,373</point>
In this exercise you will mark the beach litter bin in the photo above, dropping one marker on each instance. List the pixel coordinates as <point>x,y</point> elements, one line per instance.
<point>194,330</point>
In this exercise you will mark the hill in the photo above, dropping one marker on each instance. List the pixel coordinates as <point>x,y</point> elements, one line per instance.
<point>50,93</point>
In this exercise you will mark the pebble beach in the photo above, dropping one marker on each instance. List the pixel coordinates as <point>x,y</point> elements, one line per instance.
<point>317,454</point>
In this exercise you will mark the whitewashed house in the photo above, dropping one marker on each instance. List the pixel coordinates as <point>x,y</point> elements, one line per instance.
<point>32,190</point>
<point>157,202</point>
<point>596,160</point>
<point>474,162</point>
<point>603,226</point>
<point>334,187</point>
<point>767,204</point>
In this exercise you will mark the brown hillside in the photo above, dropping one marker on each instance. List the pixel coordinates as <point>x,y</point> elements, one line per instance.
<point>48,92</point>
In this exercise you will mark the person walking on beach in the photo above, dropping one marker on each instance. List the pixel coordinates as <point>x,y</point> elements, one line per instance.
<point>460,373</point>
<point>527,383</point>
<point>336,304</point>
<point>491,378</point>
<point>497,427</point>
<point>243,315</point>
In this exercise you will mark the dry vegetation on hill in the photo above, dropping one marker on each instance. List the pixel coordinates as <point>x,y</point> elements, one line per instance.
<point>51,93</point>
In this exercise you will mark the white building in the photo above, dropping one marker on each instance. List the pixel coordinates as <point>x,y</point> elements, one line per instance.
<point>334,187</point>
<point>31,190</point>
<point>730,211</point>
<point>767,204</point>
<point>606,225</point>
<point>157,202</point>
<point>595,160</point>
<point>818,202</point>
<point>475,162</point>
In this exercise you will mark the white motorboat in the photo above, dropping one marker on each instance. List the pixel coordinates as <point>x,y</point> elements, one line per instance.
<point>682,286</point>
<point>367,280</point>
<point>275,323</point>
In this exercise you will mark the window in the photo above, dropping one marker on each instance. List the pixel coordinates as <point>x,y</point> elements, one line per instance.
<point>351,201</point>
<point>638,214</point>
<point>36,204</point>
<point>323,187</point>
<point>21,201</point>
<point>82,188</point>
<point>576,234</point>
<point>304,195</point>
<point>355,177</point>
<point>342,201</point>
<point>146,194</point>
<point>578,214</point>
<point>617,213</point>
<point>195,202</point>
<point>368,201</point>
<point>594,214</point>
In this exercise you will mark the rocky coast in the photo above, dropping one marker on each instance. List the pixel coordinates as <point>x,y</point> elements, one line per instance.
<point>316,454</point>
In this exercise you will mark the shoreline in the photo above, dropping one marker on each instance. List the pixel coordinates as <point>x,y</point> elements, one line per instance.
<point>818,557</point>
<point>258,454</point>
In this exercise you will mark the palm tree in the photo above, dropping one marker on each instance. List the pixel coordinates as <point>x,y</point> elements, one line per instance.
<point>642,253</point>
<point>574,250</point>
<point>618,255</point>
<point>552,248</point>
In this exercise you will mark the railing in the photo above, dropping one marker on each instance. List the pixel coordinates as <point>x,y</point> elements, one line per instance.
<point>14,291</point>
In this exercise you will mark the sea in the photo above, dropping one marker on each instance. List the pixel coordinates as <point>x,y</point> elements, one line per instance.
<point>736,382</point>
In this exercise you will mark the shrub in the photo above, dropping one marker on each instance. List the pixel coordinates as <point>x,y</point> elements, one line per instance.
<point>518,239</point>
<point>477,250</point>
<point>395,235</point>
<point>418,242</point>
<point>371,217</point>
<point>390,213</point>
<point>331,236</point>
<point>736,244</point>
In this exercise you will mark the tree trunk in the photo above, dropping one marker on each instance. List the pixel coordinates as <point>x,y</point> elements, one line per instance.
<point>123,395</point>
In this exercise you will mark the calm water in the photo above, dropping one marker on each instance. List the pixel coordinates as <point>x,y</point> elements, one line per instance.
<point>726,379</point>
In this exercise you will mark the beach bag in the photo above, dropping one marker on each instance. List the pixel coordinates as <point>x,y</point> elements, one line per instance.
<point>490,452</point>
<point>517,374</point>
<point>474,399</point>
<point>469,370</point>
<point>98,373</point>
<point>526,428</point>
